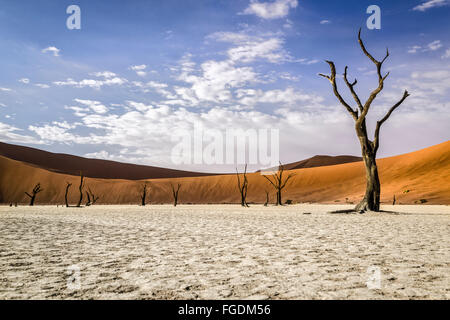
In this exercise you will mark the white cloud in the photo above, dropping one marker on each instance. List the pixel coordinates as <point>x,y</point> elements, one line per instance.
<point>216,80</point>
<point>10,133</point>
<point>53,50</point>
<point>226,36</point>
<point>288,76</point>
<point>288,24</point>
<point>95,106</point>
<point>446,54</point>
<point>104,74</point>
<point>325,22</point>
<point>24,80</point>
<point>414,49</point>
<point>42,85</point>
<point>430,4</point>
<point>432,46</point>
<point>5,89</point>
<point>139,69</point>
<point>99,155</point>
<point>92,83</point>
<point>289,97</point>
<point>270,10</point>
<point>435,45</point>
<point>2,105</point>
<point>270,50</point>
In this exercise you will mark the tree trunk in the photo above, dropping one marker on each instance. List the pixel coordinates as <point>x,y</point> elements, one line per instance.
<point>279,203</point>
<point>32,200</point>
<point>65,195</point>
<point>80,188</point>
<point>371,200</point>
<point>143,199</point>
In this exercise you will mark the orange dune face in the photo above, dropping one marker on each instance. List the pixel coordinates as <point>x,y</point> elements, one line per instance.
<point>421,175</point>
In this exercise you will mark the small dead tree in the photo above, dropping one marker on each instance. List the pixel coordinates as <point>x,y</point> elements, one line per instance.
<point>143,194</point>
<point>175,193</point>
<point>371,200</point>
<point>276,180</point>
<point>36,190</point>
<point>243,188</point>
<point>67,191</point>
<point>267,198</point>
<point>91,198</point>
<point>80,189</point>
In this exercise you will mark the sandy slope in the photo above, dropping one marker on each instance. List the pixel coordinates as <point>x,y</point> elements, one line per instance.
<point>95,168</point>
<point>224,252</point>
<point>424,174</point>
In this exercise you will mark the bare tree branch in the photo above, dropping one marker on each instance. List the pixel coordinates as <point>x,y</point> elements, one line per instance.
<point>278,183</point>
<point>352,89</point>
<point>381,79</point>
<point>243,189</point>
<point>376,140</point>
<point>332,79</point>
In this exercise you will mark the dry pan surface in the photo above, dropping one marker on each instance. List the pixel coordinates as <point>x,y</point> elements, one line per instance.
<point>223,252</point>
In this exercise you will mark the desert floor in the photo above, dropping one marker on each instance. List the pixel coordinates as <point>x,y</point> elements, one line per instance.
<point>224,252</point>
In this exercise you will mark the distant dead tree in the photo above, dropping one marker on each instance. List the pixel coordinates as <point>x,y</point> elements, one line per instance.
<point>67,191</point>
<point>175,194</point>
<point>243,188</point>
<point>267,198</point>
<point>91,198</point>
<point>80,189</point>
<point>36,190</point>
<point>371,200</point>
<point>394,201</point>
<point>276,180</point>
<point>143,194</point>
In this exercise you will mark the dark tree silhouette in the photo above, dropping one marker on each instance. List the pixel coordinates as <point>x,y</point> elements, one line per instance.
<point>91,198</point>
<point>36,190</point>
<point>276,180</point>
<point>143,194</point>
<point>80,189</point>
<point>267,198</point>
<point>175,194</point>
<point>67,191</point>
<point>371,200</point>
<point>243,188</point>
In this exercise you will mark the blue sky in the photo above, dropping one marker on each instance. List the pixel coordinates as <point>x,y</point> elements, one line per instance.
<point>137,71</point>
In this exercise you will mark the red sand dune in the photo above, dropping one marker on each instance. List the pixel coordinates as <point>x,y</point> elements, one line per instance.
<point>320,161</point>
<point>94,168</point>
<point>317,161</point>
<point>424,174</point>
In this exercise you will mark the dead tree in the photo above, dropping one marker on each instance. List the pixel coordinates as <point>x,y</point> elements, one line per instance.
<point>267,198</point>
<point>276,180</point>
<point>243,188</point>
<point>371,200</point>
<point>80,189</point>
<point>67,191</point>
<point>394,201</point>
<point>143,194</point>
<point>36,190</point>
<point>175,194</point>
<point>91,198</point>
